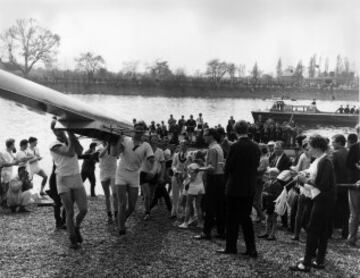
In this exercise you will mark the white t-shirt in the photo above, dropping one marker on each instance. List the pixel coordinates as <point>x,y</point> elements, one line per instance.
<point>34,166</point>
<point>65,166</point>
<point>21,155</point>
<point>6,172</point>
<point>131,158</point>
<point>156,167</point>
<point>107,166</point>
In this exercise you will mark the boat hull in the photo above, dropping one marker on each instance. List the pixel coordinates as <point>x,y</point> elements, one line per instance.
<point>310,119</point>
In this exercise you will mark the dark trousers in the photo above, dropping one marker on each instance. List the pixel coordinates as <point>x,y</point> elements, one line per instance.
<point>238,213</point>
<point>340,217</point>
<point>91,176</point>
<point>60,215</point>
<point>318,232</point>
<point>304,205</point>
<point>215,209</point>
<point>161,191</point>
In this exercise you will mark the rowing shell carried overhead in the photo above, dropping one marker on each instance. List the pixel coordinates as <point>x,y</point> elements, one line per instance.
<point>72,114</point>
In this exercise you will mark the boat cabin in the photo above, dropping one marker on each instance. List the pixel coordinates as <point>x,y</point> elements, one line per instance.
<point>281,106</point>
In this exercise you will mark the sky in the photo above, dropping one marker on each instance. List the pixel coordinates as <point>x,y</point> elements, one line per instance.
<point>189,33</point>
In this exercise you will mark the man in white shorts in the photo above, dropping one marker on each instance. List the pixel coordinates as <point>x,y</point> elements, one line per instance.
<point>69,184</point>
<point>133,152</point>
<point>107,165</point>
<point>34,163</point>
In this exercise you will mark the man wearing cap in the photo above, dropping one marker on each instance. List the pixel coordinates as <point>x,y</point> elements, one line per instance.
<point>133,153</point>
<point>240,172</point>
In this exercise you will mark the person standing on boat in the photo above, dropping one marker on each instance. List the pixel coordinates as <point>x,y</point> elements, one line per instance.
<point>133,152</point>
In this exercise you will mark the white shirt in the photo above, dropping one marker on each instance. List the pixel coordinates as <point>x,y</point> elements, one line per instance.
<point>35,153</point>
<point>107,165</point>
<point>156,167</point>
<point>65,166</point>
<point>6,172</point>
<point>131,159</point>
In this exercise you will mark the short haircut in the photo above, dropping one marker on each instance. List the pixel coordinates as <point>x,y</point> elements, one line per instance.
<point>9,142</point>
<point>241,127</point>
<point>352,138</point>
<point>339,138</point>
<point>319,142</point>
<point>142,124</point>
<point>299,139</point>
<point>221,131</point>
<point>212,132</point>
<point>23,142</point>
<point>32,139</point>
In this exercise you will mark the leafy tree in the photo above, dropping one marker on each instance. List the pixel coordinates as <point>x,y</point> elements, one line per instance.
<point>160,70</point>
<point>279,68</point>
<point>89,63</point>
<point>27,44</point>
<point>216,71</point>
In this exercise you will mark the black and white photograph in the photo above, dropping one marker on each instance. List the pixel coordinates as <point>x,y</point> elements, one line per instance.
<point>193,138</point>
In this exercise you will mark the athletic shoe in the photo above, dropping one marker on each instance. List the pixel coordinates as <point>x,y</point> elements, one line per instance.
<point>74,243</point>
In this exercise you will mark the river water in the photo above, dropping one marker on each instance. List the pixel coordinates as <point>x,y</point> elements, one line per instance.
<point>19,123</point>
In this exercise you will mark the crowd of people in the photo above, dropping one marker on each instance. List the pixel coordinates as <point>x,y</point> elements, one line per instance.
<point>215,187</point>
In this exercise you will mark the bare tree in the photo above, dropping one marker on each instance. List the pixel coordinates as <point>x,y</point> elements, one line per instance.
<point>89,63</point>
<point>231,68</point>
<point>255,73</point>
<point>312,66</point>
<point>27,43</point>
<point>130,69</point>
<point>279,68</point>
<point>241,70</point>
<point>216,71</point>
<point>326,67</point>
<point>339,65</point>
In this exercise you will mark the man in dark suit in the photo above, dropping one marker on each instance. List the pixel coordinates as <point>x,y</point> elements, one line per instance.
<point>338,157</point>
<point>280,160</point>
<point>240,172</point>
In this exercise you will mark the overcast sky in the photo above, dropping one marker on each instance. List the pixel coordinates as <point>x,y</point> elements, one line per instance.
<point>188,33</point>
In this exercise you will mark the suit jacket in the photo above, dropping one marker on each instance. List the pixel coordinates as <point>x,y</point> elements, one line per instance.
<point>352,159</point>
<point>283,164</point>
<point>338,158</point>
<point>325,180</point>
<point>241,168</point>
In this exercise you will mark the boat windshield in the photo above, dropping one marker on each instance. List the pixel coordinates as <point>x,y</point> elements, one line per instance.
<point>281,106</point>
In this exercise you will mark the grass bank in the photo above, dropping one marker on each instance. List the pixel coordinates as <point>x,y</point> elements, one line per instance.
<point>31,248</point>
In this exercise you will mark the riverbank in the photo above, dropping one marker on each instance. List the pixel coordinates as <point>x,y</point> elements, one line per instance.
<point>258,93</point>
<point>31,248</point>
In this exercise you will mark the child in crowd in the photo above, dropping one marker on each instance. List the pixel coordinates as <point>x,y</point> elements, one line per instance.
<point>272,189</point>
<point>194,187</point>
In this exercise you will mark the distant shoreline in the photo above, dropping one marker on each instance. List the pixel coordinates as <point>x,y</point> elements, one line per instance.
<point>300,94</point>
